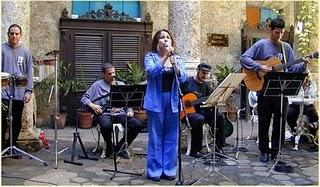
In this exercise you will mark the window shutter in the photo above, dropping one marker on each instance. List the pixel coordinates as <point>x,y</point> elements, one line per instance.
<point>88,56</point>
<point>125,48</point>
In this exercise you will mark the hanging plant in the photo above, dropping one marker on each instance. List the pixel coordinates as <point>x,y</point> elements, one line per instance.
<point>306,14</point>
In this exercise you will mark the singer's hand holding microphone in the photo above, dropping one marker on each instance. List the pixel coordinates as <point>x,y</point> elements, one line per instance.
<point>169,49</point>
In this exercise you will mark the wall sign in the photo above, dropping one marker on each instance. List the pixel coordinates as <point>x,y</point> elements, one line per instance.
<point>221,40</point>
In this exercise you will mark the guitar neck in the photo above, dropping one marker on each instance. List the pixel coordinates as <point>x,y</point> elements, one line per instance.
<point>199,101</point>
<point>297,61</point>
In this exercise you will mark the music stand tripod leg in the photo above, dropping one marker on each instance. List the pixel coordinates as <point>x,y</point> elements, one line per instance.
<point>83,150</point>
<point>71,161</point>
<point>115,163</point>
<point>76,136</point>
<point>239,148</point>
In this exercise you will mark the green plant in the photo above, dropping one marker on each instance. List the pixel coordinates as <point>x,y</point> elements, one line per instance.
<point>67,86</point>
<point>306,14</point>
<point>222,71</point>
<point>134,74</point>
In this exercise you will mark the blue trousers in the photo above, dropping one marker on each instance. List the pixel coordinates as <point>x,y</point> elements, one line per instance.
<point>163,140</point>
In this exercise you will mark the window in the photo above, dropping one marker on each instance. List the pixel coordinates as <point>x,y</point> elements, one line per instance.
<point>132,8</point>
<point>258,16</point>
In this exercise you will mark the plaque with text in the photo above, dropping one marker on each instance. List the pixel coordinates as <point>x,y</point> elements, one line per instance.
<point>221,40</point>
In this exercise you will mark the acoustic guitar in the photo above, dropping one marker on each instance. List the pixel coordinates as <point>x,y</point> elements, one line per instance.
<point>191,99</point>
<point>254,80</point>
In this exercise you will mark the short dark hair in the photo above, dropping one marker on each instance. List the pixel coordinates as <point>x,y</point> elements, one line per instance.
<point>106,66</point>
<point>204,66</point>
<point>277,23</point>
<point>15,25</point>
<point>156,37</point>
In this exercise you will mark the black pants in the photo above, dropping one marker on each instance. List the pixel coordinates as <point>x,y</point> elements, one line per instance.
<point>196,122</point>
<point>266,107</point>
<point>106,121</point>
<point>210,120</point>
<point>308,110</point>
<point>17,108</point>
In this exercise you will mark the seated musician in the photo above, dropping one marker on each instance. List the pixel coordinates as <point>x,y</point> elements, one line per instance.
<point>198,86</point>
<point>308,90</point>
<point>97,98</point>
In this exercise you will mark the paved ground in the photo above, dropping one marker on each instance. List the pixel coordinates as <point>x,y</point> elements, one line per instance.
<point>246,170</point>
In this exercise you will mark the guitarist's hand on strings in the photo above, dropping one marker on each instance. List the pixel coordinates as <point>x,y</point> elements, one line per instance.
<point>130,114</point>
<point>96,108</point>
<point>305,61</point>
<point>265,68</point>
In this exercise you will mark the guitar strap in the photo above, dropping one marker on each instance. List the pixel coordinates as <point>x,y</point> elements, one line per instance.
<point>283,53</point>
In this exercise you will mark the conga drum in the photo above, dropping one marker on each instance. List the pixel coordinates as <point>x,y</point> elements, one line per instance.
<point>5,79</point>
<point>21,81</point>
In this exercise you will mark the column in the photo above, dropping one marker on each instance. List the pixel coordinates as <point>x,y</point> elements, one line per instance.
<point>184,23</point>
<point>19,12</point>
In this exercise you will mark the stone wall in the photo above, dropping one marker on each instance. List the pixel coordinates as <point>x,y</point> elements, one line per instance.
<point>159,17</point>
<point>17,12</point>
<point>45,35</point>
<point>217,18</point>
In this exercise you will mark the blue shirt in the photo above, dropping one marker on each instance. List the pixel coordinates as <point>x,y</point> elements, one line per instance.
<point>154,67</point>
<point>16,61</point>
<point>99,93</point>
<point>265,49</point>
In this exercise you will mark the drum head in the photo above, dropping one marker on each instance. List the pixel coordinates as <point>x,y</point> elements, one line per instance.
<point>5,75</point>
<point>21,81</point>
<point>5,79</point>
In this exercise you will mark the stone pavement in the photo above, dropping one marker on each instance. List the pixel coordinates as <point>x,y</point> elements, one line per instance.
<point>246,170</point>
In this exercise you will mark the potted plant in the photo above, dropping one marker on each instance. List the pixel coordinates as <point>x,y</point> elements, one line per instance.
<point>133,75</point>
<point>230,108</point>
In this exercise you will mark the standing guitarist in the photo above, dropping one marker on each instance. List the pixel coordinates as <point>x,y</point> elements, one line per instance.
<point>97,98</point>
<point>262,50</point>
<point>197,85</point>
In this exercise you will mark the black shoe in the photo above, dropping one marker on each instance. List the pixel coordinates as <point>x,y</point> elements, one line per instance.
<point>274,156</point>
<point>280,162</point>
<point>264,158</point>
<point>170,178</point>
<point>196,154</point>
<point>124,154</point>
<point>156,179</point>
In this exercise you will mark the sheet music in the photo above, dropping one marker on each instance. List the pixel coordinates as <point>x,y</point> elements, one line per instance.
<point>224,90</point>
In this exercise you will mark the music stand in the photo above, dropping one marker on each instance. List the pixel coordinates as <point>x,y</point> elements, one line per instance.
<point>282,84</point>
<point>220,95</point>
<point>76,137</point>
<point>124,96</point>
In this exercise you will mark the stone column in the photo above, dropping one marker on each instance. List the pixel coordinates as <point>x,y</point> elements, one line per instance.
<point>19,12</point>
<point>184,23</point>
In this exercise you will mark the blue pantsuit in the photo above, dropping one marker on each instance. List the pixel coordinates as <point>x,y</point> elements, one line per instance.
<point>163,139</point>
<point>162,116</point>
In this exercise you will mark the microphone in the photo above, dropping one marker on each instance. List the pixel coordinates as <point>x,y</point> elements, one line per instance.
<point>118,78</point>
<point>166,45</point>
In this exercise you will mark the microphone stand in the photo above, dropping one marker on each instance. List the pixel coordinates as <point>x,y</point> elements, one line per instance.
<point>180,180</point>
